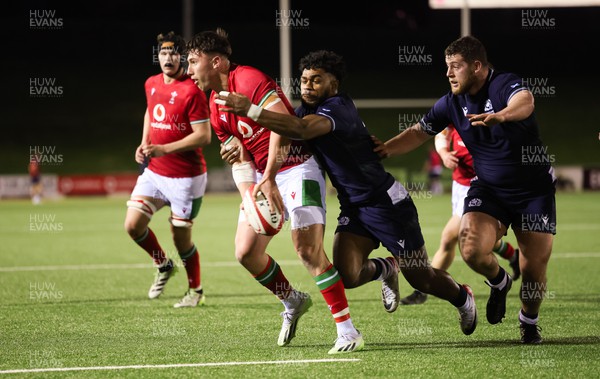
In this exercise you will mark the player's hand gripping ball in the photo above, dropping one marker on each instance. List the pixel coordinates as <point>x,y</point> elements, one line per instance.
<point>258,214</point>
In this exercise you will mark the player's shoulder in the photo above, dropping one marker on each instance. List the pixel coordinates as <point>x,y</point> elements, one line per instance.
<point>339,100</point>
<point>188,85</point>
<point>247,78</point>
<point>503,75</point>
<point>251,82</point>
<point>447,100</point>
<point>501,79</point>
<point>152,80</point>
<point>243,71</point>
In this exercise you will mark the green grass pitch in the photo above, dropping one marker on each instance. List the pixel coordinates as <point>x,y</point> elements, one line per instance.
<point>73,290</point>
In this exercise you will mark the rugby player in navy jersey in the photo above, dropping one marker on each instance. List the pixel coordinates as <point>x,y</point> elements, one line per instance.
<point>375,208</point>
<point>515,185</point>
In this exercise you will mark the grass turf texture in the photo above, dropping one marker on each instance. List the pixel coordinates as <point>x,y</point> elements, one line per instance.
<point>91,315</point>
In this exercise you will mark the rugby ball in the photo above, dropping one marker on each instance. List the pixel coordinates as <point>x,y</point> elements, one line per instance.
<point>258,214</point>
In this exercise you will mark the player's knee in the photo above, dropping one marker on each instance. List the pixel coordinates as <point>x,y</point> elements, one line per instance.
<point>308,252</point>
<point>133,228</point>
<point>243,249</point>
<point>243,256</point>
<point>350,275</point>
<point>469,255</point>
<point>534,270</point>
<point>419,280</point>
<point>350,281</point>
<point>468,248</point>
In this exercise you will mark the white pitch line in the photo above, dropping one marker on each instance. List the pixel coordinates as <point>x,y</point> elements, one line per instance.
<point>176,365</point>
<point>128,266</point>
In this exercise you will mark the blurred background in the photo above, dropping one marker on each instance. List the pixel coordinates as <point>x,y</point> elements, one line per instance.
<point>74,75</point>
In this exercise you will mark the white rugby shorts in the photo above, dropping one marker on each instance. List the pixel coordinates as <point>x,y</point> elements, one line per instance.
<point>459,192</point>
<point>179,193</point>
<point>302,188</point>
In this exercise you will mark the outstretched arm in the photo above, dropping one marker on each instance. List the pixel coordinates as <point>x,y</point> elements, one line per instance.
<point>404,142</point>
<point>519,107</point>
<point>293,127</point>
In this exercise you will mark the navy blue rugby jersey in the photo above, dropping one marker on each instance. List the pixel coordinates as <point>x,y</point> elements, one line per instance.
<point>509,155</point>
<point>346,153</point>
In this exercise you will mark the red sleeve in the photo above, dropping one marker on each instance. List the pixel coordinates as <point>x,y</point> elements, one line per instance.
<point>258,86</point>
<point>198,109</point>
<point>147,86</point>
<point>216,123</point>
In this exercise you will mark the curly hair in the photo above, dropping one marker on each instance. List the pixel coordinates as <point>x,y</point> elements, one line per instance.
<point>326,60</point>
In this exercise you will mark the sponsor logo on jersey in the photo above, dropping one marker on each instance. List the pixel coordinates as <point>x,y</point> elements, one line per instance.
<point>245,129</point>
<point>223,118</point>
<point>401,243</point>
<point>465,110</point>
<point>152,91</point>
<point>159,112</point>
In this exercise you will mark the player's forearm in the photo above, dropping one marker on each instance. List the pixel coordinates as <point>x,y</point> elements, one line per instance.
<point>146,129</point>
<point>278,152</point>
<point>242,187</point>
<point>284,124</point>
<point>441,142</point>
<point>189,142</point>
<point>406,141</point>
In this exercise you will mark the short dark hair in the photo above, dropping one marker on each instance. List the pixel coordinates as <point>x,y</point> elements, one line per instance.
<point>177,40</point>
<point>210,42</point>
<point>326,60</point>
<point>470,48</point>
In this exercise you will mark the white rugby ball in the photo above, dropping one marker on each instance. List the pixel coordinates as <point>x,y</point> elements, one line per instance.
<point>258,214</point>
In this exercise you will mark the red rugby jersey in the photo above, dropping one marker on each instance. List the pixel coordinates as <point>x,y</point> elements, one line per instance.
<point>262,91</point>
<point>173,108</point>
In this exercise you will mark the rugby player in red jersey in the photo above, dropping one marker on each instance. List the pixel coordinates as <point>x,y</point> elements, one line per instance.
<point>288,175</point>
<point>176,126</point>
<point>375,209</point>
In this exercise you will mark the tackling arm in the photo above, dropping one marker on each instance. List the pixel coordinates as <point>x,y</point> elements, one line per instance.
<point>286,125</point>
<point>404,142</point>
